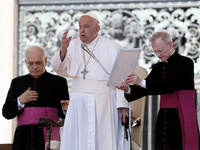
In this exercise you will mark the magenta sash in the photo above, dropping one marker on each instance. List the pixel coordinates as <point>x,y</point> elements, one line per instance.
<point>31,115</point>
<point>184,101</point>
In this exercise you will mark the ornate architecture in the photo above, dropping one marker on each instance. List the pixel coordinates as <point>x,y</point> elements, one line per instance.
<point>129,24</point>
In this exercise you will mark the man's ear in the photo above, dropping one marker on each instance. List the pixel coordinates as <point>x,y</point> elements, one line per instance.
<point>26,62</point>
<point>45,61</point>
<point>97,28</point>
<point>171,45</point>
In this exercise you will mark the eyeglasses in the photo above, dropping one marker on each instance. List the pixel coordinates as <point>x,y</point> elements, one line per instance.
<point>37,63</point>
<point>160,51</point>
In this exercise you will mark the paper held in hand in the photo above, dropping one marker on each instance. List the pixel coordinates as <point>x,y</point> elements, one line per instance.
<point>125,63</point>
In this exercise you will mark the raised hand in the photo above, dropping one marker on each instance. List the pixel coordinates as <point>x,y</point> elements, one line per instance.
<point>28,95</point>
<point>64,45</point>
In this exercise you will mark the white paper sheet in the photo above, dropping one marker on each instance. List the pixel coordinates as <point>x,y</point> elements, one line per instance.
<point>125,64</point>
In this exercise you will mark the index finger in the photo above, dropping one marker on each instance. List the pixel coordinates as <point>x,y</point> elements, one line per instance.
<point>64,35</point>
<point>33,92</point>
<point>130,75</point>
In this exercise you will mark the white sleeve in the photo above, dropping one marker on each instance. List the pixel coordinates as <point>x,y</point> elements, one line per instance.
<point>121,100</point>
<point>59,66</point>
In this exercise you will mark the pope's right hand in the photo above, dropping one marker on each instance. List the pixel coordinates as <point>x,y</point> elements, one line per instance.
<point>28,96</point>
<point>64,45</point>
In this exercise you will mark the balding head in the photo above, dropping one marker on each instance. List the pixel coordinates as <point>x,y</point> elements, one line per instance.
<point>36,60</point>
<point>166,38</point>
<point>35,48</point>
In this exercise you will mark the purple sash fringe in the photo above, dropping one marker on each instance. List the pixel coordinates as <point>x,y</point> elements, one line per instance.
<point>184,101</point>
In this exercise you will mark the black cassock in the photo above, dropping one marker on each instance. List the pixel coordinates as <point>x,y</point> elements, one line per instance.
<point>165,78</point>
<point>51,90</point>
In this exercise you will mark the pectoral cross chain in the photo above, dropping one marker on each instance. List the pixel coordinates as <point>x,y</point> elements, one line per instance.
<point>84,72</point>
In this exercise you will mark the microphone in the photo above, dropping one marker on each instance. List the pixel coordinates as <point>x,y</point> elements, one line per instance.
<point>85,48</point>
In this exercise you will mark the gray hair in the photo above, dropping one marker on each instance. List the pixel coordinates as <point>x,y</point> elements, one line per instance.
<point>165,36</point>
<point>33,48</point>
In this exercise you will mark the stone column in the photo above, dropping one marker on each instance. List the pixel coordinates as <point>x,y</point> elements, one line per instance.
<point>8,61</point>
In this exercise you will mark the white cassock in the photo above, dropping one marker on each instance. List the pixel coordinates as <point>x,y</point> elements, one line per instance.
<point>92,121</point>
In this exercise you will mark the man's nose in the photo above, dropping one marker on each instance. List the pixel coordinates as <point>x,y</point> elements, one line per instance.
<point>35,65</point>
<point>82,30</point>
<point>158,55</point>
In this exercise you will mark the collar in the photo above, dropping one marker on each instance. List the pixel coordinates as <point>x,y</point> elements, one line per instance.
<point>94,41</point>
<point>170,56</point>
<point>173,56</point>
<point>173,52</point>
<point>42,76</point>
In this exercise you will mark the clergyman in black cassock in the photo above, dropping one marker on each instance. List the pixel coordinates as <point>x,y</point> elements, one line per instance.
<point>50,89</point>
<point>176,124</point>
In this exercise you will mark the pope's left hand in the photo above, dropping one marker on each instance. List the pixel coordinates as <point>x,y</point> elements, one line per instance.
<point>124,113</point>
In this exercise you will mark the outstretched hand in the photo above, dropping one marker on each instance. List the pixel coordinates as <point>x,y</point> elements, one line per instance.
<point>123,86</point>
<point>65,104</point>
<point>130,80</point>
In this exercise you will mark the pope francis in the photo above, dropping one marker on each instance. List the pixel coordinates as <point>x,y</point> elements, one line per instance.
<point>95,112</point>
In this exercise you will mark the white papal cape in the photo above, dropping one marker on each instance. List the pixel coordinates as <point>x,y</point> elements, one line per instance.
<point>92,121</point>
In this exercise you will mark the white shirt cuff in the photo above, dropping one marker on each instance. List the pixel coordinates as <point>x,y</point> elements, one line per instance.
<point>64,112</point>
<point>143,84</point>
<point>129,90</point>
<point>20,106</point>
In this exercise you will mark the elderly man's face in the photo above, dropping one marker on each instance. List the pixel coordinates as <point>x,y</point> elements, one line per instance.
<point>88,29</point>
<point>36,63</point>
<point>162,50</point>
